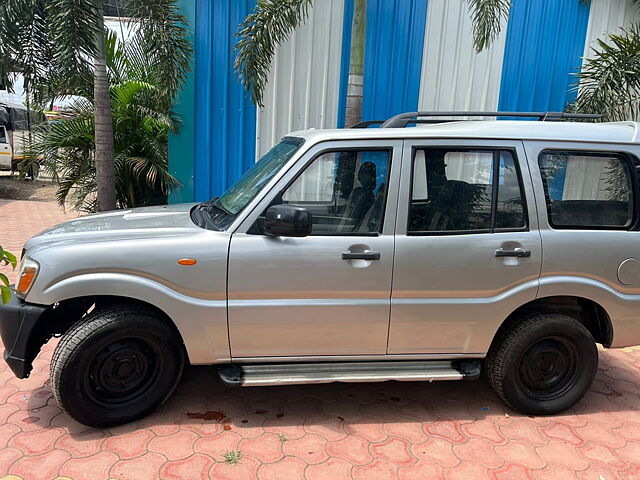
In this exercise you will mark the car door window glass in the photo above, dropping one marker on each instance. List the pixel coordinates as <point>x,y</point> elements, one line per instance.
<point>510,209</point>
<point>587,189</point>
<point>345,191</point>
<point>453,190</point>
<point>3,135</point>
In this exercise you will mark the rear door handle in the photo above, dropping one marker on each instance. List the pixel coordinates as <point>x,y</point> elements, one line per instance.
<point>361,255</point>
<point>516,252</point>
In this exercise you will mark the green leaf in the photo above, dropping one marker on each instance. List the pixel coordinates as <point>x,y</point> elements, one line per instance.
<point>11,259</point>
<point>4,279</point>
<point>6,294</point>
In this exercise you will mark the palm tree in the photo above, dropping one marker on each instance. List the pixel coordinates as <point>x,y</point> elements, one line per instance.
<point>610,79</point>
<point>272,21</point>
<point>142,121</point>
<point>57,45</point>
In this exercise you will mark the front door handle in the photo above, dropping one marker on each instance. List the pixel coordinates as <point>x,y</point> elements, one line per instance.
<point>361,255</point>
<point>516,252</point>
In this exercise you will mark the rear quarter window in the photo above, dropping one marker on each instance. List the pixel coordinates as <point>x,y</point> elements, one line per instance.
<point>587,189</point>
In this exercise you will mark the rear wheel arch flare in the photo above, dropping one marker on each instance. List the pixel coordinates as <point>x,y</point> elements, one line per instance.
<point>588,312</point>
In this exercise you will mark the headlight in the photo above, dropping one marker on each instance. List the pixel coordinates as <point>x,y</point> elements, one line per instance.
<point>26,275</point>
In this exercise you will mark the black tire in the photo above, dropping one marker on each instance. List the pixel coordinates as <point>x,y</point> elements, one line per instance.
<point>116,365</point>
<point>543,365</point>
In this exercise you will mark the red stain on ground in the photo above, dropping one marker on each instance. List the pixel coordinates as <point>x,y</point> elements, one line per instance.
<point>208,415</point>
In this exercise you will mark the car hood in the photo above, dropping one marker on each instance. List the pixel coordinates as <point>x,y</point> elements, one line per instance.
<point>146,222</point>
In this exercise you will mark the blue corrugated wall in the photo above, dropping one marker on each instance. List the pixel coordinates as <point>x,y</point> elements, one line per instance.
<point>545,42</point>
<point>393,57</point>
<point>225,118</point>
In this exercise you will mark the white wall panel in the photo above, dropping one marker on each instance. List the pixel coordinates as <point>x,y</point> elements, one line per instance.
<point>304,81</point>
<point>607,16</point>
<point>454,77</point>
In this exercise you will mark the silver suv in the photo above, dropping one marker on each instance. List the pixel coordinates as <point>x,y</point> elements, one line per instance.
<point>431,252</point>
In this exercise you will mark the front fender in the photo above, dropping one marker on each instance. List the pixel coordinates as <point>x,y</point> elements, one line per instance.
<point>201,322</point>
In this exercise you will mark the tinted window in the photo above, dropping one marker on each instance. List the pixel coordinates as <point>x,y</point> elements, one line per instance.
<point>587,189</point>
<point>452,190</point>
<point>345,191</point>
<point>3,135</point>
<point>510,204</point>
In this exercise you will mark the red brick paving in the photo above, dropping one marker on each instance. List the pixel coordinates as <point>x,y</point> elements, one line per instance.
<point>456,430</point>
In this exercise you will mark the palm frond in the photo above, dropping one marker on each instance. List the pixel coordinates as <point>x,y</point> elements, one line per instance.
<point>74,30</point>
<point>487,17</point>
<point>270,24</point>
<point>610,79</point>
<point>26,41</point>
<point>162,34</point>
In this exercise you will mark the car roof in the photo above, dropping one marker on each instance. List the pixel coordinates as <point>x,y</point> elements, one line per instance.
<point>613,132</point>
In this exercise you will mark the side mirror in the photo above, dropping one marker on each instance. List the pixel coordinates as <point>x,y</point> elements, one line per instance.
<point>287,221</point>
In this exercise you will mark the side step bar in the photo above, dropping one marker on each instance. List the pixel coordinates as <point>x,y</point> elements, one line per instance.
<point>303,373</point>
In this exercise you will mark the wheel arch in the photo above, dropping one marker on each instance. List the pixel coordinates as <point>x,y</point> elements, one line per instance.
<point>588,312</point>
<point>60,316</point>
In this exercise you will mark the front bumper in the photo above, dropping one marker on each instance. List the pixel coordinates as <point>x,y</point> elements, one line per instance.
<point>18,321</point>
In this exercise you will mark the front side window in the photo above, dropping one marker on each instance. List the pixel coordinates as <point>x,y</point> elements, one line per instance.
<point>465,191</point>
<point>587,189</point>
<point>3,135</point>
<point>345,191</point>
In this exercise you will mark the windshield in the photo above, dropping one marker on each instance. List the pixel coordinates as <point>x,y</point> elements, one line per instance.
<point>245,190</point>
<point>220,213</point>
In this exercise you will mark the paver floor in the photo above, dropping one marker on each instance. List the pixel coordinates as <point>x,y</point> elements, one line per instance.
<point>455,430</point>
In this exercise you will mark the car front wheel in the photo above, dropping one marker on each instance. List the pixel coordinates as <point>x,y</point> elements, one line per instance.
<point>544,364</point>
<point>116,365</point>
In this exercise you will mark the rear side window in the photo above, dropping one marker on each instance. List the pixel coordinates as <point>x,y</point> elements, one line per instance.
<point>465,191</point>
<point>587,189</point>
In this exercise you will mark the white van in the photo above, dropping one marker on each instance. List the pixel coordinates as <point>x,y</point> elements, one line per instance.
<point>14,131</point>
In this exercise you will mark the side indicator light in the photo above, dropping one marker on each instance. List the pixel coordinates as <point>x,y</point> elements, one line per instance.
<point>26,279</point>
<point>187,261</point>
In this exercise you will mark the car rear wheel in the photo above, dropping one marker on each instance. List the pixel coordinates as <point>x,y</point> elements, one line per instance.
<point>116,365</point>
<point>544,364</point>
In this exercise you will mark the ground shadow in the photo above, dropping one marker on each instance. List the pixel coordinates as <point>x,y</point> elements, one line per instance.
<point>203,401</point>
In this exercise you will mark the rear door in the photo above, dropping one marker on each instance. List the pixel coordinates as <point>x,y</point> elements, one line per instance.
<point>468,250</point>
<point>590,226</point>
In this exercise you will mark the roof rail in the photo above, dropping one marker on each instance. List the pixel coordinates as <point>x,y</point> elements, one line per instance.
<point>401,120</point>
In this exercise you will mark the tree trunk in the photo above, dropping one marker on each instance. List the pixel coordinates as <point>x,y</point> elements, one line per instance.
<point>356,64</point>
<point>105,170</point>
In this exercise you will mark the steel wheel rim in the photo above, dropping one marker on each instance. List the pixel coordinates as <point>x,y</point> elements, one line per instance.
<point>123,371</point>
<point>549,368</point>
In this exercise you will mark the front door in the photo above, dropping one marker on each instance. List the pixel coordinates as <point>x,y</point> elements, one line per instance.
<point>328,293</point>
<point>468,249</point>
